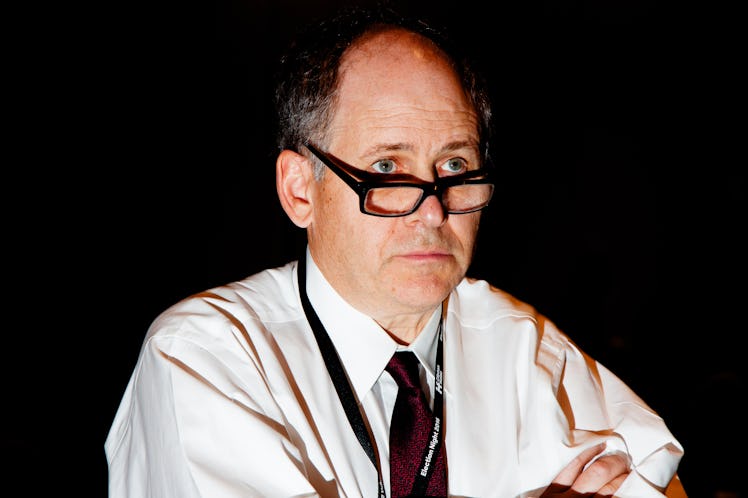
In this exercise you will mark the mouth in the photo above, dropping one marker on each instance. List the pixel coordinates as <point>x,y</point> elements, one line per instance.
<point>426,255</point>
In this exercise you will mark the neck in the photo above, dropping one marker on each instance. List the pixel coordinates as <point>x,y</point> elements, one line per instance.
<point>405,328</point>
<point>403,337</point>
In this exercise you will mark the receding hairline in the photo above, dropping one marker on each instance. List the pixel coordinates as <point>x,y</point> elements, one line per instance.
<point>377,31</point>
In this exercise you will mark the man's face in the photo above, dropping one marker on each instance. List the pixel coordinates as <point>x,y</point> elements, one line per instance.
<point>401,103</point>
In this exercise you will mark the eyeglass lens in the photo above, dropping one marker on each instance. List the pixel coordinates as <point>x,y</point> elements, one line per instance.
<point>400,200</point>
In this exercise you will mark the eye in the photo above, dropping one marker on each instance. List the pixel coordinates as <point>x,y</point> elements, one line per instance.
<point>454,166</point>
<point>384,166</point>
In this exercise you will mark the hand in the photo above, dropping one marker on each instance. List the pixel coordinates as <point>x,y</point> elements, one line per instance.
<point>602,478</point>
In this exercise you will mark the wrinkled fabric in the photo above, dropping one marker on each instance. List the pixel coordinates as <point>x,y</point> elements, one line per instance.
<point>230,397</point>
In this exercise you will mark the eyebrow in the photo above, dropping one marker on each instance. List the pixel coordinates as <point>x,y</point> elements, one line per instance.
<point>385,147</point>
<point>403,146</point>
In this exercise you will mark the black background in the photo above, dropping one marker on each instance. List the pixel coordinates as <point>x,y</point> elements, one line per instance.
<point>149,175</point>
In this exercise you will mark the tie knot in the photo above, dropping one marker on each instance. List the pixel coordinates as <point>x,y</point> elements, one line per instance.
<point>403,367</point>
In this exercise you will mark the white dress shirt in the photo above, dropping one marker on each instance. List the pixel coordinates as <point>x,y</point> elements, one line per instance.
<point>231,397</point>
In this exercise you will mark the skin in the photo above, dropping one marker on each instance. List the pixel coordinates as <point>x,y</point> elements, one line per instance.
<point>399,100</point>
<point>601,478</point>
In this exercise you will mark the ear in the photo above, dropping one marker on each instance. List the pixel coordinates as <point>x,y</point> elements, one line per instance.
<point>293,180</point>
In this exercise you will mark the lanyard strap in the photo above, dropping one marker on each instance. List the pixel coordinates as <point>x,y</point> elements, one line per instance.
<point>337,373</point>
<point>348,400</point>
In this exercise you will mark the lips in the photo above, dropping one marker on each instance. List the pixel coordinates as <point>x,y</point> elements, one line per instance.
<point>426,254</point>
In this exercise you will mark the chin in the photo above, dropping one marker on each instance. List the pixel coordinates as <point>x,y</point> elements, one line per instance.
<point>425,292</point>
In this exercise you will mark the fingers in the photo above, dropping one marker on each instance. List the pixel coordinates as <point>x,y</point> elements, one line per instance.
<point>581,478</point>
<point>610,488</point>
<point>570,473</point>
<point>603,476</point>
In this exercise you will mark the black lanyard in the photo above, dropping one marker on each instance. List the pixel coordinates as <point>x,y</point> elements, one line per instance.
<point>348,400</point>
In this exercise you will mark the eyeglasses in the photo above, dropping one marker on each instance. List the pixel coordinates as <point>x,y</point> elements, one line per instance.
<point>459,194</point>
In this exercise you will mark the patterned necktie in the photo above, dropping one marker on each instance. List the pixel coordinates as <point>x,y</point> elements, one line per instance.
<point>411,432</point>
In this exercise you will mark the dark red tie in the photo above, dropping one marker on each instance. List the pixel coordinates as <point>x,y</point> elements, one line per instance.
<point>411,431</point>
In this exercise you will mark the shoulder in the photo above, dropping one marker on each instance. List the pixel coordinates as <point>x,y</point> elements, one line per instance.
<point>479,301</point>
<point>243,306</point>
<point>480,306</point>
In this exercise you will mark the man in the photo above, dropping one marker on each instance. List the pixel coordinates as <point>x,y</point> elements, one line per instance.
<point>283,384</point>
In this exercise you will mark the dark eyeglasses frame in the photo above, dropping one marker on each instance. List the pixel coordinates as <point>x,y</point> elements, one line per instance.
<point>363,181</point>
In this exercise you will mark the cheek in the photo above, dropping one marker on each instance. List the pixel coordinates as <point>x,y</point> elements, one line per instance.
<point>466,230</point>
<point>338,219</point>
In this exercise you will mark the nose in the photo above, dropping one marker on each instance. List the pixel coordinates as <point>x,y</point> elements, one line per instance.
<point>431,212</point>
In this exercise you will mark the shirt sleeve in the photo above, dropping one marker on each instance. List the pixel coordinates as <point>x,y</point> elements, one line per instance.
<point>598,405</point>
<point>189,427</point>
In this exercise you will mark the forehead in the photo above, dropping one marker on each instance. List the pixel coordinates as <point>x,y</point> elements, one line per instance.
<point>381,56</point>
<point>397,83</point>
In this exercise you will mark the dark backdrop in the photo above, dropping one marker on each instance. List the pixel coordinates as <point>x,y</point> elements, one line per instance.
<point>619,214</point>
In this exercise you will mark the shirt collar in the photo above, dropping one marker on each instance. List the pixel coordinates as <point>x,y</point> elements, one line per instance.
<point>362,345</point>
